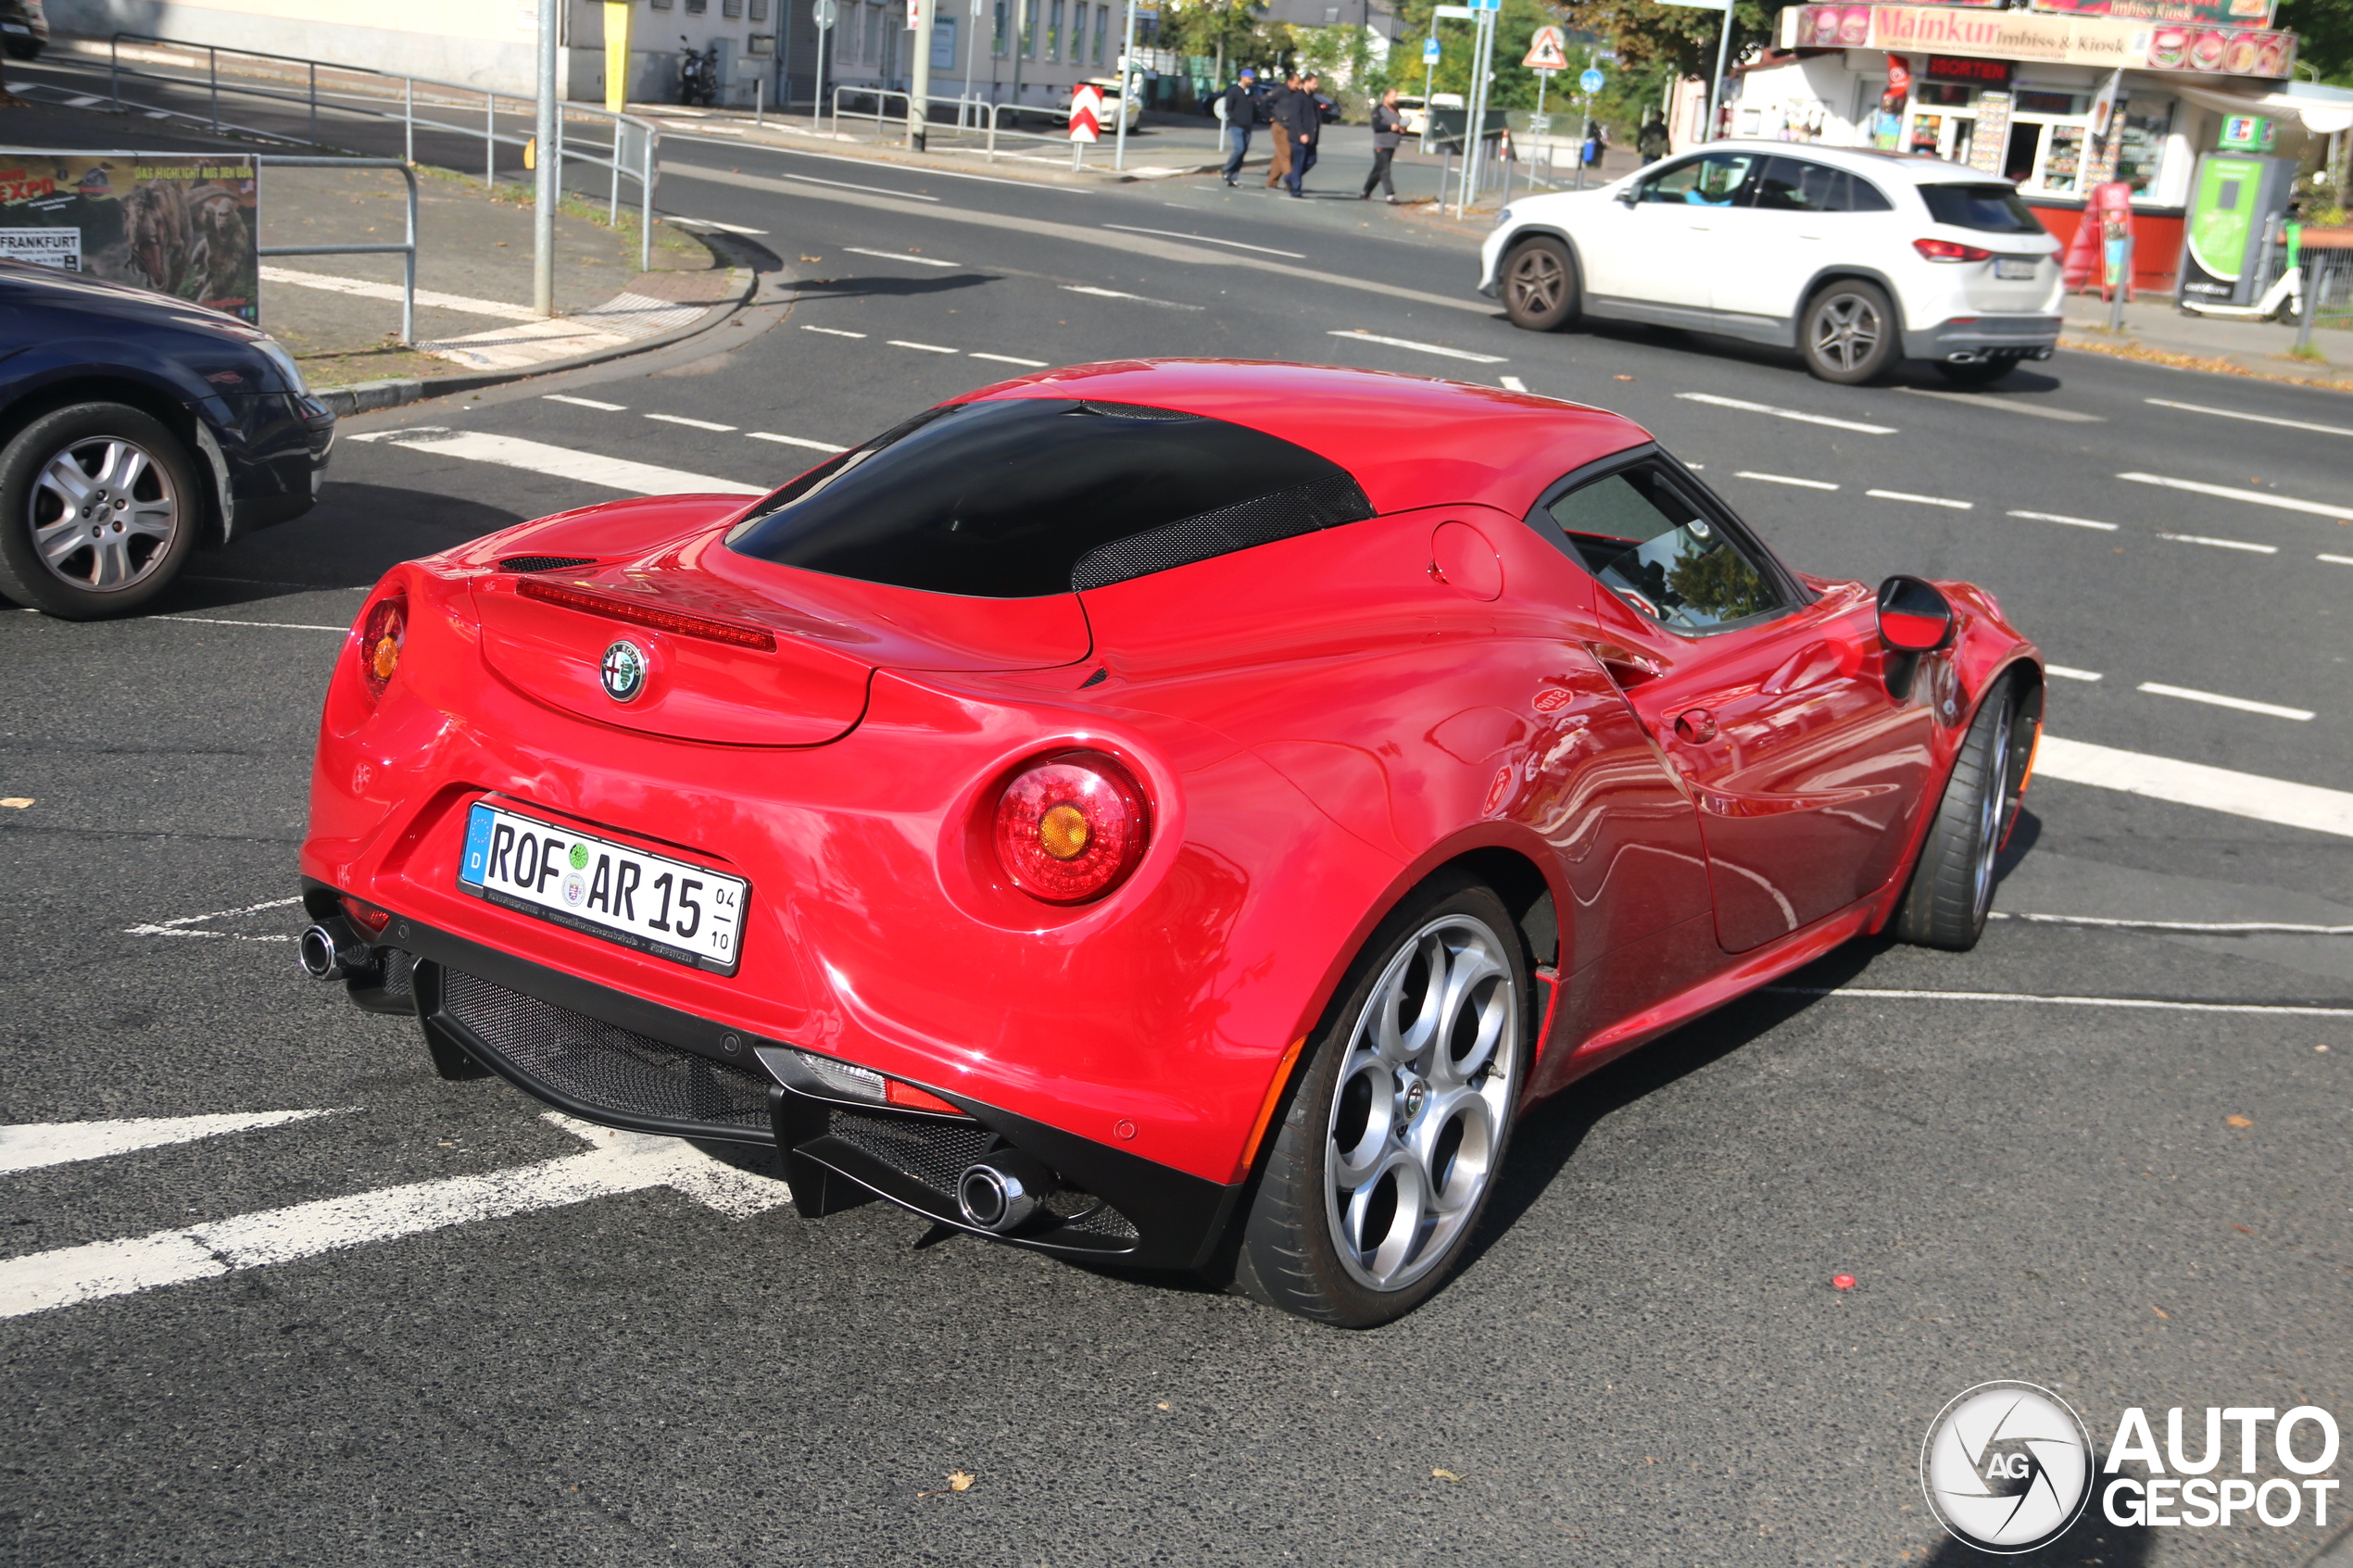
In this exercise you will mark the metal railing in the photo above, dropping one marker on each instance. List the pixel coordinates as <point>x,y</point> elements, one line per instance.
<point>981,111</point>
<point>2325,281</point>
<point>634,151</point>
<point>407,250</point>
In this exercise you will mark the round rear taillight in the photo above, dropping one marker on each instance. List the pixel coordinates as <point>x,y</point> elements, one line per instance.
<point>381,636</point>
<point>1070,828</point>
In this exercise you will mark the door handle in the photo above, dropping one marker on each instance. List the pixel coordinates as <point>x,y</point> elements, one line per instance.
<point>1695,726</point>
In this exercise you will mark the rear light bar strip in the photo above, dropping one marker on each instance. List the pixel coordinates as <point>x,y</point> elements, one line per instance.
<point>649,615</point>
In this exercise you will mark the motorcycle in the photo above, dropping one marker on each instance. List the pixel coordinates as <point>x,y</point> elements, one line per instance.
<point>698,75</point>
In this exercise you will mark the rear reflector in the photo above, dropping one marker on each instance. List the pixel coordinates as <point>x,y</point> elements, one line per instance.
<point>913,1099</point>
<point>651,616</point>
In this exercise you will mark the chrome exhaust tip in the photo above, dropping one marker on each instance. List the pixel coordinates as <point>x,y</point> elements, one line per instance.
<point>1000,1193</point>
<point>332,950</point>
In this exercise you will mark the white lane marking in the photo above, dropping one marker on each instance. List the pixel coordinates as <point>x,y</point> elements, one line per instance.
<point>560,462</point>
<point>622,1162</point>
<point>831,331</point>
<point>714,223</point>
<point>1204,239</point>
<point>2340,560</point>
<point>584,402</point>
<point>706,130</point>
<point>794,440</point>
<point>2070,522</point>
<point>275,625</point>
<point>894,255</point>
<point>1423,347</point>
<point>1785,479</point>
<point>2217,699</point>
<point>2251,418</point>
<point>1923,500</point>
<point>1138,298</point>
<point>927,347</point>
<point>2196,927</point>
<point>2255,497</point>
<point>1889,995</point>
<point>2009,406</point>
<point>32,1145</point>
<point>2194,783</point>
<point>2064,674</point>
<point>1744,404</point>
<point>363,288</point>
<point>2220,543</point>
<point>1513,383</point>
<point>691,424</point>
<point>1009,359</point>
<point>165,928</point>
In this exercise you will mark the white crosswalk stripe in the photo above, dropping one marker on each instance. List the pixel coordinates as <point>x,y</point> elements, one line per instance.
<point>562,462</point>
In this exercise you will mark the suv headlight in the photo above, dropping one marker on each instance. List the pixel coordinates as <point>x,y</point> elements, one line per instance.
<point>285,363</point>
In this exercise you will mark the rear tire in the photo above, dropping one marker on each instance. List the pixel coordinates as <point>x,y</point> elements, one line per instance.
<point>1384,1161</point>
<point>1849,332</point>
<point>1953,881</point>
<point>1539,285</point>
<point>99,509</point>
<point>1983,372</point>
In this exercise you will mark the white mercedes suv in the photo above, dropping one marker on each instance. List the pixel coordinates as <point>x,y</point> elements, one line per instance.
<point>1855,258</point>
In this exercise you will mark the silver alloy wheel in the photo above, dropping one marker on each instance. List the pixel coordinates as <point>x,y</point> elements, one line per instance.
<point>1991,808</point>
<point>1538,280</point>
<point>104,514</point>
<point>1846,332</point>
<point>1418,1112</point>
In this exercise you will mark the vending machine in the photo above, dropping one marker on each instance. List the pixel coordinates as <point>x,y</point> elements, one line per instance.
<point>2231,228</point>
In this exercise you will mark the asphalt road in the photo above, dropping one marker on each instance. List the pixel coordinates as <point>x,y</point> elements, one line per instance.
<point>1644,1363</point>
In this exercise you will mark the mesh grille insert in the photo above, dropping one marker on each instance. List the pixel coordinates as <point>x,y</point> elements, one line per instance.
<point>399,968</point>
<point>544,563</point>
<point>934,1153</point>
<point>603,1065</point>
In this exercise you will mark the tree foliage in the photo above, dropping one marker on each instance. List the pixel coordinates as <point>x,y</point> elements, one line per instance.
<point>2325,30</point>
<point>1516,26</point>
<point>1680,37</point>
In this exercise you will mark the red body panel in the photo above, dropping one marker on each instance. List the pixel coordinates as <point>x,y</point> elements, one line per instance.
<point>1318,724</point>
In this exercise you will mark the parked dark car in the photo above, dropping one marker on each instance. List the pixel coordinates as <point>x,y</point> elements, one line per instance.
<point>133,429</point>
<point>24,28</point>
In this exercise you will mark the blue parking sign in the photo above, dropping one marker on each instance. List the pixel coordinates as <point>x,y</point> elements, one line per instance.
<point>1430,50</point>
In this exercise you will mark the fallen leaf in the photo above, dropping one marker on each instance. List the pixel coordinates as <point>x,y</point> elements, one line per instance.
<point>962,1481</point>
<point>2163,1313</point>
<point>18,802</point>
<point>1624,378</point>
<point>813,258</point>
<point>1164,1404</point>
<point>2242,1230</point>
<point>1445,1476</point>
<point>2321,1049</point>
<point>2236,1122</point>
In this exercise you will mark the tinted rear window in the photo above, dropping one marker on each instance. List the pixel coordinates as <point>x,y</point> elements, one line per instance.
<point>1993,209</point>
<point>1033,496</point>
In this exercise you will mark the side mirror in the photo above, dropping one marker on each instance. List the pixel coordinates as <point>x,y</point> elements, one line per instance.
<point>1914,617</point>
<point>1629,196</point>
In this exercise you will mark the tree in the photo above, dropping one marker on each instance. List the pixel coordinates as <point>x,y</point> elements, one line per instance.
<point>1230,30</point>
<point>1515,27</point>
<point>2324,29</point>
<point>1684,37</point>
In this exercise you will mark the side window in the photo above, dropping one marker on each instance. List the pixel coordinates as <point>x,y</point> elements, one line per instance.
<point>1864,197</point>
<point>1713,180</point>
<point>1654,549</point>
<point>1789,184</point>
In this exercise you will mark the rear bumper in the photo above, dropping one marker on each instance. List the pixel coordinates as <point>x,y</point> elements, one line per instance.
<point>610,1058</point>
<point>1967,339</point>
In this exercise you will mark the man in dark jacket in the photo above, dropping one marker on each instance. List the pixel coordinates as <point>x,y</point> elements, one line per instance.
<point>1388,132</point>
<point>1311,124</point>
<point>1241,115</point>
<point>1277,110</point>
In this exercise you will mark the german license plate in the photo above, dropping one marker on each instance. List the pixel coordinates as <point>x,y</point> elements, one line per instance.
<point>673,910</point>
<point>2018,267</point>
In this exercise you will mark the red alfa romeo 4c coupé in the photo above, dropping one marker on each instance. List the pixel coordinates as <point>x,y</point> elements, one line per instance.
<point>1171,813</point>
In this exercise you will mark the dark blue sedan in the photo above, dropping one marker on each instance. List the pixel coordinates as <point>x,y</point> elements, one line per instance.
<point>133,429</point>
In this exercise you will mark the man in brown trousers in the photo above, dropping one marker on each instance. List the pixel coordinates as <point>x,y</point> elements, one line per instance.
<point>1286,148</point>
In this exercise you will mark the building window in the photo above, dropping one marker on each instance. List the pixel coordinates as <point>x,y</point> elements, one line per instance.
<point>760,10</point>
<point>662,4</point>
<point>1102,30</point>
<point>760,43</point>
<point>2140,156</point>
<point>1054,29</point>
<point>943,43</point>
<point>697,7</point>
<point>731,10</point>
<point>2037,101</point>
<point>997,29</point>
<point>1028,30</point>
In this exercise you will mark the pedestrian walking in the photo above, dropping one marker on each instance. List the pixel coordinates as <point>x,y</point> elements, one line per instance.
<point>1651,141</point>
<point>1593,143</point>
<point>1285,144</point>
<point>1389,133</point>
<point>1242,114</point>
<point>1311,126</point>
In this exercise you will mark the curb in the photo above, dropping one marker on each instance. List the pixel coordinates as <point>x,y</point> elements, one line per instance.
<point>367,396</point>
<point>863,151</point>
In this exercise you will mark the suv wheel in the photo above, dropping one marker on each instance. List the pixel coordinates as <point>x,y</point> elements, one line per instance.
<point>1539,285</point>
<point>99,508</point>
<point>1850,332</point>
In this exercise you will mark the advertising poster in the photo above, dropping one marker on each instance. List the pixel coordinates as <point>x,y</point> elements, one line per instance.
<point>181,227</point>
<point>2227,13</point>
<point>2115,42</point>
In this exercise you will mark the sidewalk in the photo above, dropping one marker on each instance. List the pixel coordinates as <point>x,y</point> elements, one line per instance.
<point>2155,331</point>
<point>341,314</point>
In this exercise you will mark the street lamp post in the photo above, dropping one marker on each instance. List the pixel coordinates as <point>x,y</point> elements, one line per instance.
<point>1126,85</point>
<point>542,214</point>
<point>919,22</point>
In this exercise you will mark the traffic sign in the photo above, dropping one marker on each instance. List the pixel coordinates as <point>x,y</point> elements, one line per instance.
<point>1487,5</point>
<point>1430,50</point>
<point>1590,81</point>
<point>1086,113</point>
<point>822,13</point>
<point>1546,51</point>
